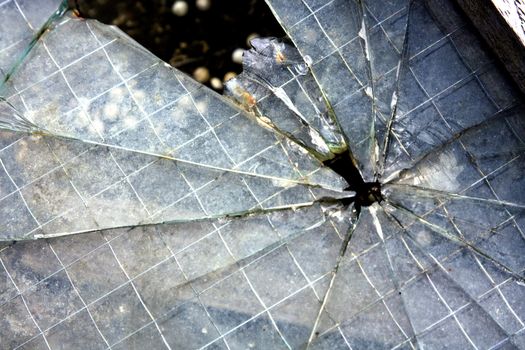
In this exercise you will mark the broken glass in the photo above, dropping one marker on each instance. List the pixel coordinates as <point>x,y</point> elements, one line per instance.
<point>363,188</point>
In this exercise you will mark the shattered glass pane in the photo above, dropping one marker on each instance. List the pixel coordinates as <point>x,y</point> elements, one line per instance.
<point>149,211</point>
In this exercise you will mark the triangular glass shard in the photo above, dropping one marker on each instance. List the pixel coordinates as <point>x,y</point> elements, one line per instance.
<point>330,36</point>
<point>446,88</point>
<point>276,79</point>
<point>99,87</point>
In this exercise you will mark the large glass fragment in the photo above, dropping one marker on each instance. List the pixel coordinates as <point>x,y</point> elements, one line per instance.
<point>152,212</point>
<point>106,135</point>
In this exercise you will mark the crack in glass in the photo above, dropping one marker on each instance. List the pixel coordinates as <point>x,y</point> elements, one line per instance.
<point>362,188</point>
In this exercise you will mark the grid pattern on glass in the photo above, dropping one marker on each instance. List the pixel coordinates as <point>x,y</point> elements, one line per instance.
<point>73,187</point>
<point>351,40</point>
<point>100,110</point>
<point>453,190</point>
<point>130,100</point>
<point>206,279</point>
<point>21,21</point>
<point>439,260</point>
<point>278,86</point>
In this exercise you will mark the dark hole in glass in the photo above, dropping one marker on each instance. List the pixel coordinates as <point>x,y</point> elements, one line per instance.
<point>367,193</point>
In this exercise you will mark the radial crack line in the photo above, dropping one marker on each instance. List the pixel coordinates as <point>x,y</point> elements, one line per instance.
<point>334,272</point>
<point>507,112</point>
<point>59,13</point>
<point>395,279</point>
<point>459,240</point>
<point>438,265</point>
<point>402,65</point>
<point>432,193</point>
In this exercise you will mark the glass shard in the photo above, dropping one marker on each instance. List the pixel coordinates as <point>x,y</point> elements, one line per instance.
<point>277,79</point>
<point>109,91</point>
<point>152,211</point>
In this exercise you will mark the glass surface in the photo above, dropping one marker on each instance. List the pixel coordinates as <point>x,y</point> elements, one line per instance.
<point>138,208</point>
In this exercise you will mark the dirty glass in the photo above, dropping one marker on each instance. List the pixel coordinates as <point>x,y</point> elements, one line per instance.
<point>361,187</point>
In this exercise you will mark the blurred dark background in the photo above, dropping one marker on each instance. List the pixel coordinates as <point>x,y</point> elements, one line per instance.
<point>199,37</point>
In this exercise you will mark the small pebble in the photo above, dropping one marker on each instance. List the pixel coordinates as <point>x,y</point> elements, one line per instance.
<point>251,37</point>
<point>229,75</point>
<point>203,5</point>
<point>201,74</point>
<point>180,8</point>
<point>216,83</point>
<point>237,56</point>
